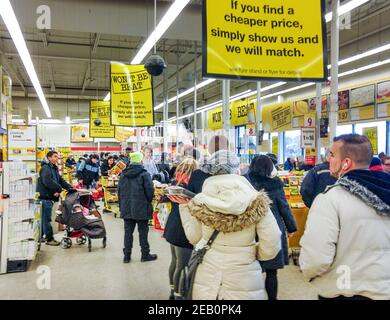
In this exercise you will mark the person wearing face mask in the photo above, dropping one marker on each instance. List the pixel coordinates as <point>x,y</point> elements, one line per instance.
<point>347,235</point>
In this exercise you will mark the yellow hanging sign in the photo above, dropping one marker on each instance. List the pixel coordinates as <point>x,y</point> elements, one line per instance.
<point>99,120</point>
<point>131,96</point>
<point>277,118</point>
<point>251,39</point>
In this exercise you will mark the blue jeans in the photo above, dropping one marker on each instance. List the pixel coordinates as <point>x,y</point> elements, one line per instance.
<point>47,230</point>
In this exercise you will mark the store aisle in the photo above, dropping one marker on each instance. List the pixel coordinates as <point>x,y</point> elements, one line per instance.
<point>100,274</point>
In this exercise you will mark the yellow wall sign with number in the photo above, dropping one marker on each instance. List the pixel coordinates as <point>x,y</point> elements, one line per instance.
<point>100,110</point>
<point>372,134</point>
<point>131,96</point>
<point>282,39</point>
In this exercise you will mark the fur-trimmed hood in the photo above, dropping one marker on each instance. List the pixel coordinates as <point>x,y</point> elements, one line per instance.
<point>229,222</point>
<point>229,203</point>
<point>373,187</point>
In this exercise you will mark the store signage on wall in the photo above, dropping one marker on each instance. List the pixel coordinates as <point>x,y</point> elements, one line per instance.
<point>80,133</point>
<point>251,130</point>
<point>372,134</point>
<point>308,138</point>
<point>131,96</point>
<point>279,39</point>
<point>363,96</point>
<point>99,120</point>
<point>275,145</point>
<point>310,156</point>
<point>383,94</point>
<point>324,124</point>
<point>22,143</point>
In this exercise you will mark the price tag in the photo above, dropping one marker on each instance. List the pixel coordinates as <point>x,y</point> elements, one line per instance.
<point>310,122</point>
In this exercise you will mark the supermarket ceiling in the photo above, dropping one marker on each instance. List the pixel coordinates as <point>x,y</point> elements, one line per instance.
<point>72,59</point>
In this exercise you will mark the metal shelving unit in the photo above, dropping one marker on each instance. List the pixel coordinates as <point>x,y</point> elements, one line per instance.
<point>20,219</point>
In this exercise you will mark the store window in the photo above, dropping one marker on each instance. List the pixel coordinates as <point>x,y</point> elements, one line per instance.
<point>344,129</point>
<point>380,134</point>
<point>292,144</point>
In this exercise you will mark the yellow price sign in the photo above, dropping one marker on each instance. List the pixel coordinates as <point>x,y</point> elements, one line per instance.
<point>131,96</point>
<point>343,116</point>
<point>99,120</point>
<point>251,39</point>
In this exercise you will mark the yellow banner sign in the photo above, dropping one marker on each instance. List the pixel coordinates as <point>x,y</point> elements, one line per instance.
<point>372,134</point>
<point>80,133</point>
<point>99,120</point>
<point>131,96</point>
<point>241,112</point>
<point>283,39</point>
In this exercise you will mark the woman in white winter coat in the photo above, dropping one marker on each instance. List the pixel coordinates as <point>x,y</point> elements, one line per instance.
<point>248,232</point>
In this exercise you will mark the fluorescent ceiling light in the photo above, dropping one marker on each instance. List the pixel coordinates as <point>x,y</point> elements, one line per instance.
<point>162,26</point>
<point>363,55</point>
<point>9,18</point>
<point>108,97</point>
<point>346,8</point>
<point>370,66</point>
<point>186,92</point>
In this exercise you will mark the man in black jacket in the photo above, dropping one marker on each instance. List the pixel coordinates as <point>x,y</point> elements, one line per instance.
<point>49,186</point>
<point>135,192</point>
<point>316,181</point>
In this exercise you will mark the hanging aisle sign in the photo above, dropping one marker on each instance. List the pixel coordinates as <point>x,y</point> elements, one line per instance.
<point>308,138</point>
<point>100,111</point>
<point>131,96</point>
<point>22,143</point>
<point>251,39</point>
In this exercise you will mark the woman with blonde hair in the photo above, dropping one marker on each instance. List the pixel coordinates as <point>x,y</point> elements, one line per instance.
<point>247,232</point>
<point>181,249</point>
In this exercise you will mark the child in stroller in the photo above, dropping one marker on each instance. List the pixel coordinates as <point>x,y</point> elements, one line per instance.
<point>83,221</point>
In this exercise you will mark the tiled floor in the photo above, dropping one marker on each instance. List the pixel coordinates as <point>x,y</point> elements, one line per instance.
<point>77,274</point>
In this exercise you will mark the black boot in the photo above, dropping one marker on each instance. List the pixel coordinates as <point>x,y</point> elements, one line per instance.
<point>172,296</point>
<point>149,257</point>
<point>126,258</point>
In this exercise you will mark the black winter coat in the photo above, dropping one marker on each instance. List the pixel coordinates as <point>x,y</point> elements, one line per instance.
<point>197,179</point>
<point>315,182</point>
<point>105,167</point>
<point>50,182</point>
<point>174,232</point>
<point>282,213</point>
<point>135,192</point>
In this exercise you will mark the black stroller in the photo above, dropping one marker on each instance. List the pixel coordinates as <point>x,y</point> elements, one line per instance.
<point>80,226</point>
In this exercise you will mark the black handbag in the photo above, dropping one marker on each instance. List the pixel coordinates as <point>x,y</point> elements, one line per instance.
<point>187,276</point>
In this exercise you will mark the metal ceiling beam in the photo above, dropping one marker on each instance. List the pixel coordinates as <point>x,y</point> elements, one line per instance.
<point>86,79</point>
<point>9,68</point>
<point>51,74</point>
<point>44,39</point>
<point>51,57</point>
<point>96,43</point>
